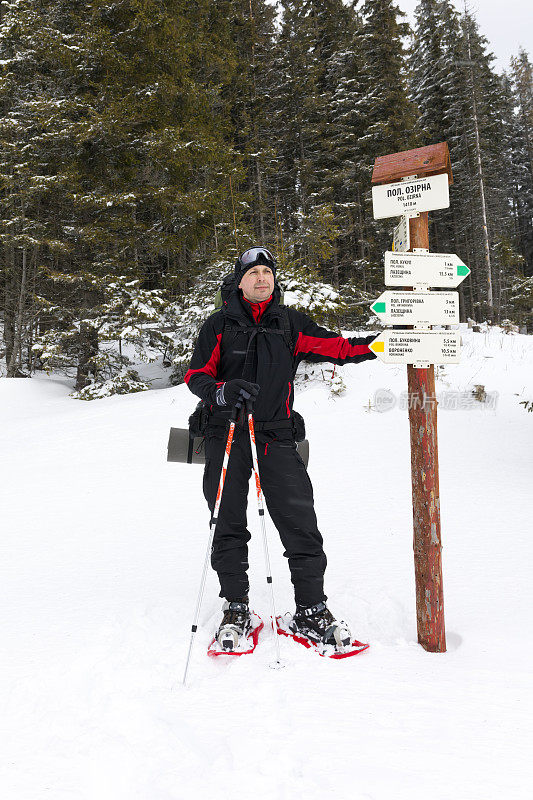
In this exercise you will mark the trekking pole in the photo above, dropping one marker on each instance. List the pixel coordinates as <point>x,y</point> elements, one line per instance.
<point>214,520</point>
<point>261,508</point>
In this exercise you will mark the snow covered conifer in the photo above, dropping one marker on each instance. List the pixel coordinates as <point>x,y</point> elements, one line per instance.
<point>94,339</point>
<point>522,78</point>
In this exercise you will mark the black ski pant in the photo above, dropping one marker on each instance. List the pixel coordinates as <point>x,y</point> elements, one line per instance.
<point>289,498</point>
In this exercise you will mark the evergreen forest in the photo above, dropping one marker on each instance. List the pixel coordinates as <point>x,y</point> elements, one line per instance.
<point>146,143</point>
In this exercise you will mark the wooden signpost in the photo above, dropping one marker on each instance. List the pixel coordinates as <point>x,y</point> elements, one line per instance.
<point>412,183</point>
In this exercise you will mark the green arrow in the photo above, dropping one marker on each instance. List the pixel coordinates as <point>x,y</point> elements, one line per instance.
<point>463,270</point>
<point>378,308</point>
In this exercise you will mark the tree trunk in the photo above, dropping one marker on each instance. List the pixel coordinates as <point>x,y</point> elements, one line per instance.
<point>260,201</point>
<point>481,179</point>
<point>15,359</point>
<point>335,270</point>
<point>88,349</point>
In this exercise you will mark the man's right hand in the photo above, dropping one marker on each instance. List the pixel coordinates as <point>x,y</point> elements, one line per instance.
<point>232,391</point>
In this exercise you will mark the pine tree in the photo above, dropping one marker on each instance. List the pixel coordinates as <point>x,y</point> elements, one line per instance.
<point>298,111</point>
<point>123,314</point>
<point>257,59</point>
<point>114,160</point>
<point>318,179</point>
<point>522,156</point>
<point>389,114</point>
<point>426,77</point>
<point>483,111</point>
<point>462,102</point>
<point>314,222</point>
<point>453,229</point>
<point>343,180</point>
<point>434,74</point>
<point>245,105</point>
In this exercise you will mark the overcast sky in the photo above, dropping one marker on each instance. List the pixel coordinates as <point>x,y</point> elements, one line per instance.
<point>507,24</point>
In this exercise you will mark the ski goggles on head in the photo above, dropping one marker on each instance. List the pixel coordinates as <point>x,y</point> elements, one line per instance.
<point>256,254</point>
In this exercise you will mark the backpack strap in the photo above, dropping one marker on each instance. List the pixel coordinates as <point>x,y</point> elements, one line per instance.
<point>287,329</point>
<point>228,329</point>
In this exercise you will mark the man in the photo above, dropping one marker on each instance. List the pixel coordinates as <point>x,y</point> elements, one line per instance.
<point>253,345</point>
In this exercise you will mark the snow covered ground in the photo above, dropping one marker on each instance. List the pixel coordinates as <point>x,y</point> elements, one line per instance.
<point>102,549</point>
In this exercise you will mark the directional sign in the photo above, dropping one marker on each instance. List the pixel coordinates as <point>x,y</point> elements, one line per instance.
<point>410,347</point>
<point>416,194</point>
<point>444,270</point>
<point>417,308</point>
<point>401,242</point>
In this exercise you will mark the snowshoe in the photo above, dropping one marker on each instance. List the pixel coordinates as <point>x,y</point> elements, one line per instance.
<point>318,624</point>
<point>316,627</point>
<point>238,632</point>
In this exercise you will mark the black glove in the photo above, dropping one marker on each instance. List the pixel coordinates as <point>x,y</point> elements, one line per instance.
<point>232,391</point>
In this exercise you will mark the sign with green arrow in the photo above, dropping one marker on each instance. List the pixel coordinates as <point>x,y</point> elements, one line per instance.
<point>441,270</point>
<point>417,308</point>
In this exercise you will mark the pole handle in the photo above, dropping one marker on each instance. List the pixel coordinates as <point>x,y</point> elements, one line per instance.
<point>244,404</point>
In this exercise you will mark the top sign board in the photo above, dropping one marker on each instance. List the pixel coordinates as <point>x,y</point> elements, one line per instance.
<point>410,196</point>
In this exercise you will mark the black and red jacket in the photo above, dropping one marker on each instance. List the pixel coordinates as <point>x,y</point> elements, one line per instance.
<point>231,344</point>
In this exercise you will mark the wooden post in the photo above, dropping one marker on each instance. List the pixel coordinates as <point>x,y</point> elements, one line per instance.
<point>422,162</point>
<point>425,487</point>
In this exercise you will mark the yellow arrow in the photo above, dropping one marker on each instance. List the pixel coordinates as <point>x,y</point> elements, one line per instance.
<point>377,347</point>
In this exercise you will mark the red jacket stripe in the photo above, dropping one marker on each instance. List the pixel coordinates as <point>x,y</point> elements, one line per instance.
<point>212,365</point>
<point>334,347</point>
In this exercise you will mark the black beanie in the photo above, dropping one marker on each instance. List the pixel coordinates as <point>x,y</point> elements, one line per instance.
<point>241,269</point>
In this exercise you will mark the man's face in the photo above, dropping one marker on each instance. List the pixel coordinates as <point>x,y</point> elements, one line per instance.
<point>257,283</point>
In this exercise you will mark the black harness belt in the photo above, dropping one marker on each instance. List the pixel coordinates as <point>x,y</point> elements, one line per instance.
<point>258,426</point>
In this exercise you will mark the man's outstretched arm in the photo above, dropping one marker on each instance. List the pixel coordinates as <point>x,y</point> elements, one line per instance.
<point>316,344</point>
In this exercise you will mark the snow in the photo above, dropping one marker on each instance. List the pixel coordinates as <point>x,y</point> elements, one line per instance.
<point>102,549</point>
